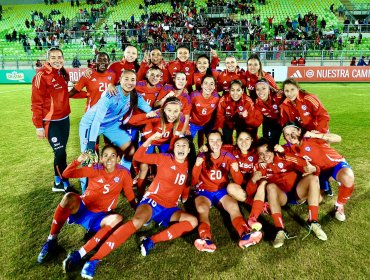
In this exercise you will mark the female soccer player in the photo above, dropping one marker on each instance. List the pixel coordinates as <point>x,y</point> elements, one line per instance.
<point>151,86</point>
<point>254,73</point>
<point>284,185</point>
<point>50,111</point>
<point>159,204</point>
<point>303,107</point>
<point>203,68</point>
<point>91,210</point>
<point>154,58</point>
<point>230,74</point>
<point>236,111</point>
<point>211,176</point>
<point>106,117</point>
<point>267,104</point>
<point>203,106</point>
<point>315,148</point>
<point>169,122</point>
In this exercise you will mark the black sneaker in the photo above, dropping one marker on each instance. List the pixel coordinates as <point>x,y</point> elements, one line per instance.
<point>58,188</point>
<point>328,191</point>
<point>71,189</point>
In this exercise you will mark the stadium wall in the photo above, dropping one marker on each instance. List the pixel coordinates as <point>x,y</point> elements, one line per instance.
<point>314,74</point>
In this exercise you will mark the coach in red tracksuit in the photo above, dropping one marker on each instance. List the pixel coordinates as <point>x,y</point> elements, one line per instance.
<point>50,111</point>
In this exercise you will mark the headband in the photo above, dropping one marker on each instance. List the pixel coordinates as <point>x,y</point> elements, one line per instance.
<point>172,102</point>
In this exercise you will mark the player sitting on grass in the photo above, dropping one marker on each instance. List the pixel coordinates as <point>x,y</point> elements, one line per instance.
<point>91,210</point>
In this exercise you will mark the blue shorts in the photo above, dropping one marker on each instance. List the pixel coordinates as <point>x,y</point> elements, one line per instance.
<point>195,128</point>
<point>214,197</point>
<point>89,220</point>
<point>331,172</point>
<point>162,148</point>
<point>116,135</point>
<point>160,214</point>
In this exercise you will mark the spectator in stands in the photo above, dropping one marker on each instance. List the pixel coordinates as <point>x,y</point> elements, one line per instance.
<point>113,55</point>
<point>38,63</point>
<point>359,39</point>
<point>76,63</point>
<point>332,8</point>
<point>301,61</point>
<point>362,62</point>
<point>294,62</point>
<point>270,19</point>
<point>353,62</point>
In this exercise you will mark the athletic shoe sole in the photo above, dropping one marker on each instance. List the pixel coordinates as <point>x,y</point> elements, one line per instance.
<point>202,246</point>
<point>254,239</point>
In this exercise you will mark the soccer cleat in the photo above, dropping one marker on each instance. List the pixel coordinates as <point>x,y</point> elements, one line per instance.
<point>328,191</point>
<point>146,245</point>
<point>71,261</point>
<point>88,271</point>
<point>339,213</point>
<point>280,238</point>
<point>58,187</point>
<point>47,250</point>
<point>254,224</point>
<point>205,245</point>
<point>317,230</point>
<point>249,239</point>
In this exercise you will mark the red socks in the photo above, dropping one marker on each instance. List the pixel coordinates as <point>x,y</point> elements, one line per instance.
<point>344,194</point>
<point>141,186</point>
<point>240,225</point>
<point>174,231</point>
<point>94,241</point>
<point>257,209</point>
<point>60,217</point>
<point>313,213</point>
<point>118,237</point>
<point>204,231</point>
<point>278,220</point>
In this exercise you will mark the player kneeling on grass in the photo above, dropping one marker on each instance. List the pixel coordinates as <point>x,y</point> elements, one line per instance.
<point>285,185</point>
<point>159,202</point>
<point>91,210</point>
<point>211,176</point>
<point>315,147</point>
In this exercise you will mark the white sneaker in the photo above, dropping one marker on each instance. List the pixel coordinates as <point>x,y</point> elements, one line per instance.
<point>317,230</point>
<point>279,239</point>
<point>339,213</point>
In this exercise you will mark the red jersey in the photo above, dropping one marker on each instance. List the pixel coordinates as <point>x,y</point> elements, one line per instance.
<point>271,108</point>
<point>183,97</point>
<point>199,76</point>
<point>154,125</point>
<point>50,98</point>
<point>225,77</point>
<point>103,188</point>
<point>229,113</point>
<point>307,110</point>
<point>283,171</point>
<point>95,86</point>
<point>252,79</point>
<point>217,177</point>
<point>144,67</point>
<point>119,66</point>
<point>301,61</point>
<point>246,161</point>
<point>316,151</point>
<point>294,62</point>
<point>150,94</point>
<point>201,108</point>
<point>170,181</point>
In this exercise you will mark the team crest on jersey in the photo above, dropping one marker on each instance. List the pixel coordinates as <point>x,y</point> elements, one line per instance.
<point>116,179</point>
<point>213,105</point>
<point>54,139</point>
<point>85,142</point>
<point>304,107</point>
<point>307,149</point>
<point>281,165</point>
<point>250,158</point>
<point>240,108</point>
<point>186,68</point>
<point>223,164</point>
<point>274,106</point>
<point>109,78</point>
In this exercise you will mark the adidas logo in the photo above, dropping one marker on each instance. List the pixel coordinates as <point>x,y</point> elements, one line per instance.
<point>100,181</point>
<point>198,105</point>
<point>93,80</point>
<point>173,167</point>
<point>53,80</point>
<point>110,245</point>
<point>55,222</point>
<point>175,68</point>
<point>297,74</point>
<point>224,82</point>
<point>170,236</point>
<point>97,240</point>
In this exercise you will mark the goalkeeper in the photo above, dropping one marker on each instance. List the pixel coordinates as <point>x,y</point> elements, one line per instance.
<point>106,117</point>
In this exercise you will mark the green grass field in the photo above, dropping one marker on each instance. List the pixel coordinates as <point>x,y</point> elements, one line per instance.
<point>27,205</point>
